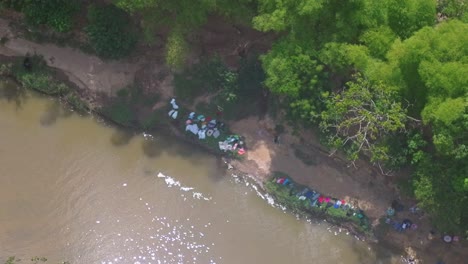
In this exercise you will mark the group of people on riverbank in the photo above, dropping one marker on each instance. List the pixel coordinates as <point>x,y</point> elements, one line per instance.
<point>406,224</point>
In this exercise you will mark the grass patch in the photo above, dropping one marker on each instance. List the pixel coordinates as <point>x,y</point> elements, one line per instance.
<point>286,196</point>
<point>39,77</point>
<point>76,103</point>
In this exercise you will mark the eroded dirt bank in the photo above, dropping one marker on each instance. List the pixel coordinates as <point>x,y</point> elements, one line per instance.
<point>331,175</point>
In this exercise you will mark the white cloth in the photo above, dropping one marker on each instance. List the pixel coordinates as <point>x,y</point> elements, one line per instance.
<point>222,145</point>
<point>192,128</point>
<point>174,105</point>
<point>173,113</point>
<point>201,134</point>
<point>191,115</point>
<point>216,133</point>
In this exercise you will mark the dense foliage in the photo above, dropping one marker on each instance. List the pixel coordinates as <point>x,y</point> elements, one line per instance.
<point>39,77</point>
<point>362,116</point>
<point>386,80</point>
<point>110,32</point>
<point>58,14</point>
<point>412,67</point>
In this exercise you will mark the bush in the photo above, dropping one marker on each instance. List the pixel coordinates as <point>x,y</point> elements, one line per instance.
<point>109,31</point>
<point>57,14</point>
<point>39,78</point>
<point>44,83</point>
<point>76,103</point>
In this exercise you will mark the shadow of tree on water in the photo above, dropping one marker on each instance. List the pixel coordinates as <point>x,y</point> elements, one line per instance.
<point>12,92</point>
<point>55,109</point>
<point>52,112</point>
<point>121,137</point>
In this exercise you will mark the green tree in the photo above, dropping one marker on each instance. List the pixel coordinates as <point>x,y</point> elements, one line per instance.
<point>407,16</point>
<point>109,31</point>
<point>184,15</point>
<point>426,52</point>
<point>176,49</point>
<point>57,14</point>
<point>440,185</point>
<point>378,40</point>
<point>453,9</point>
<point>360,118</point>
<point>296,74</point>
<point>342,57</point>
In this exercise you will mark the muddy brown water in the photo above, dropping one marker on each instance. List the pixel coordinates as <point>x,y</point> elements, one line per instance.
<point>75,189</point>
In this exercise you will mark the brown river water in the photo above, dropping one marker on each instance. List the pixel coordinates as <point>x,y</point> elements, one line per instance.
<point>73,188</point>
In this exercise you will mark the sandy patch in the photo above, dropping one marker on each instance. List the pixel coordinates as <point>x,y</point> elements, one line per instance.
<point>326,174</point>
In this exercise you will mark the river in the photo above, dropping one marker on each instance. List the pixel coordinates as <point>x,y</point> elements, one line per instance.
<point>73,188</point>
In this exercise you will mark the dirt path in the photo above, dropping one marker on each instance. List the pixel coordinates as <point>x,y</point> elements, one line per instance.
<point>86,71</point>
<point>334,176</point>
<point>329,175</point>
<point>323,173</point>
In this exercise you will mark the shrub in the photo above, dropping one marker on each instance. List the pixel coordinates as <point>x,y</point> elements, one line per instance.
<point>57,14</point>
<point>5,69</point>
<point>109,31</point>
<point>76,103</point>
<point>44,83</point>
<point>39,78</point>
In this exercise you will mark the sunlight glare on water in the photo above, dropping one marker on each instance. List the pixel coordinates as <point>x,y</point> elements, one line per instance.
<point>73,189</point>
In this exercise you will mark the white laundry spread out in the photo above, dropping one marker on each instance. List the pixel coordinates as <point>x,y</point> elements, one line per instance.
<point>192,128</point>
<point>216,133</point>
<point>202,134</point>
<point>174,105</point>
<point>173,113</point>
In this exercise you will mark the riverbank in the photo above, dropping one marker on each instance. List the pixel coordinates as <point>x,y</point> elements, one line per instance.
<point>32,73</point>
<point>331,175</point>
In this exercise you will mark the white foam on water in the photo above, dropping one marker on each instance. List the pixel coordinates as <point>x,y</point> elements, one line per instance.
<point>171,182</point>
<point>147,136</point>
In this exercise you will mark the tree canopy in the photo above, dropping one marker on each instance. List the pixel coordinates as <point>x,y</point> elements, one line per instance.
<point>386,80</point>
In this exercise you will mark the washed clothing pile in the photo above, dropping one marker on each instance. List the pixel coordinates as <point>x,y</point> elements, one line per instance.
<point>316,199</point>
<point>202,126</point>
<point>175,109</point>
<point>232,143</point>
